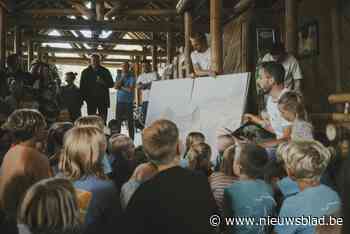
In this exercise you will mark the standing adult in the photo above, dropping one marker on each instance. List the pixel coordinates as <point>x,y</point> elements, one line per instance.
<point>293,75</point>
<point>94,86</point>
<point>46,84</point>
<point>125,99</point>
<point>20,84</point>
<point>201,56</point>
<point>144,83</point>
<point>71,97</point>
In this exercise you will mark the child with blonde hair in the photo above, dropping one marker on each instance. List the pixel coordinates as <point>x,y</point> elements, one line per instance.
<point>95,121</point>
<point>81,162</point>
<point>305,163</point>
<point>193,138</point>
<point>49,206</point>
<point>292,109</point>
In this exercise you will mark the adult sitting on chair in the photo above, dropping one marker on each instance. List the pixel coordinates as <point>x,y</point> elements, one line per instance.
<point>125,99</point>
<point>272,74</point>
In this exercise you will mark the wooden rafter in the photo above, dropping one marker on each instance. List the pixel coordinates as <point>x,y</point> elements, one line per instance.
<point>91,51</point>
<point>128,26</point>
<point>108,41</point>
<point>79,9</point>
<point>4,5</point>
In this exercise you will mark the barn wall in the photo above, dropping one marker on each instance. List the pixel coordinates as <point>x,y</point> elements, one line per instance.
<point>319,74</point>
<point>346,50</point>
<point>319,70</point>
<point>237,44</point>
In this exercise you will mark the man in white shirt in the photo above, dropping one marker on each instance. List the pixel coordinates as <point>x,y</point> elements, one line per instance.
<point>272,82</point>
<point>201,56</point>
<point>144,83</point>
<point>293,75</point>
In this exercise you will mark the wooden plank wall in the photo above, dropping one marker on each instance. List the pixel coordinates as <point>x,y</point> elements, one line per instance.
<point>236,43</point>
<point>346,52</point>
<point>319,75</point>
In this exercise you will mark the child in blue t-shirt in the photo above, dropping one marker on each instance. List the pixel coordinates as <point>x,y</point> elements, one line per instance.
<point>251,196</point>
<point>305,162</point>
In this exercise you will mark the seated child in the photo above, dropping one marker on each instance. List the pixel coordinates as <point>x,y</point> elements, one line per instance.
<point>49,206</point>
<point>199,158</point>
<point>225,177</point>
<point>293,110</point>
<point>95,121</point>
<point>223,142</point>
<point>122,151</point>
<point>191,139</point>
<point>250,196</point>
<point>305,163</point>
<point>55,142</point>
<point>80,162</point>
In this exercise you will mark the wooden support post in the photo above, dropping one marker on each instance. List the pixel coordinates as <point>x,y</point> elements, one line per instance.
<point>144,50</point>
<point>337,45</point>
<point>291,26</point>
<point>30,52</point>
<point>187,52</point>
<point>154,55</point>
<point>169,48</point>
<point>18,41</point>
<point>100,10</point>
<point>216,35</point>
<point>2,37</point>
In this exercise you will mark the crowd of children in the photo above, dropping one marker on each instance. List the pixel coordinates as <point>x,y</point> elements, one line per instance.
<point>72,178</point>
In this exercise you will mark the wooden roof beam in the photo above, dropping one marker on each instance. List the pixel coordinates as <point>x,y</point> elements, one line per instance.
<point>182,5</point>
<point>126,26</point>
<point>4,5</point>
<point>72,39</point>
<point>85,61</point>
<point>91,51</point>
<point>83,10</point>
<point>115,9</point>
<point>79,9</point>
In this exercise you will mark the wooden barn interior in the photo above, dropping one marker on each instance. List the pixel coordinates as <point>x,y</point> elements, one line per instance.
<point>163,27</point>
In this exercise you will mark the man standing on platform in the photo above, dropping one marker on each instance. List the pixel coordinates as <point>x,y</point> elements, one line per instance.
<point>94,85</point>
<point>125,99</point>
<point>144,83</point>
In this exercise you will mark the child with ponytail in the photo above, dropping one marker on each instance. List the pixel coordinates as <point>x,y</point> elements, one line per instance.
<point>292,109</point>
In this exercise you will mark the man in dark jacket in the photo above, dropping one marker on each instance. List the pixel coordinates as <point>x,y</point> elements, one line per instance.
<point>70,97</point>
<point>94,86</point>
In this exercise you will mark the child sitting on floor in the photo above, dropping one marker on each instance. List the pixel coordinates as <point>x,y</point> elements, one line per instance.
<point>95,121</point>
<point>250,196</point>
<point>191,139</point>
<point>305,163</point>
<point>199,158</point>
